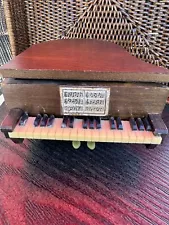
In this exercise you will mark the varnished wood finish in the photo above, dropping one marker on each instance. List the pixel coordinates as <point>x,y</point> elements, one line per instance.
<point>82,60</point>
<point>11,120</point>
<point>125,99</point>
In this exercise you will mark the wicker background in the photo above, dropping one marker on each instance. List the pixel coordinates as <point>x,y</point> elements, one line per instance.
<point>5,53</point>
<point>141,26</point>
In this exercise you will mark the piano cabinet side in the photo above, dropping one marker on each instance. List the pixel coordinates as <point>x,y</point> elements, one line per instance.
<point>126,99</point>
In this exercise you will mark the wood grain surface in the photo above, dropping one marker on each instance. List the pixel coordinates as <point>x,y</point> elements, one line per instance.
<point>126,99</point>
<point>48,182</point>
<point>82,60</point>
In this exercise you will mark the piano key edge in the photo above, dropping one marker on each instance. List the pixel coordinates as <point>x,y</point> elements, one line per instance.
<point>8,131</point>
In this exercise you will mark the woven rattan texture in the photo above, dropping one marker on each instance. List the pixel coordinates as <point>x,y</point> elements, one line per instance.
<point>5,53</point>
<point>2,20</point>
<point>141,26</point>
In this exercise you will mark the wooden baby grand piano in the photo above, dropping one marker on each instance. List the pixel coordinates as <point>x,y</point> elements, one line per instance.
<point>84,90</point>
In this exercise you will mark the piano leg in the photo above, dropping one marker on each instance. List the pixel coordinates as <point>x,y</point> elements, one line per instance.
<point>5,134</point>
<point>150,146</point>
<point>163,137</point>
<point>17,140</point>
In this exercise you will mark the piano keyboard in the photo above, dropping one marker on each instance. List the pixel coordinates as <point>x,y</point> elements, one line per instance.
<point>87,129</point>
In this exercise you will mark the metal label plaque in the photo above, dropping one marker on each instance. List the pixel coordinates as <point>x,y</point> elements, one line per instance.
<point>87,101</point>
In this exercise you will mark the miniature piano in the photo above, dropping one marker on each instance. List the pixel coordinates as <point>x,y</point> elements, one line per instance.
<point>84,90</point>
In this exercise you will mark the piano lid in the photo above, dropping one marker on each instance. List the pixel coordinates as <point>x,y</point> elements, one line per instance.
<point>82,59</point>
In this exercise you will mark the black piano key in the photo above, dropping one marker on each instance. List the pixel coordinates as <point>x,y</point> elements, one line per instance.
<point>23,119</point>
<point>91,123</point>
<point>98,123</point>
<point>85,123</point>
<point>64,122</point>
<point>140,124</point>
<point>157,124</point>
<point>112,123</point>
<point>50,121</point>
<point>133,124</point>
<point>119,124</point>
<point>44,120</point>
<point>37,120</point>
<point>146,124</point>
<point>71,121</point>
